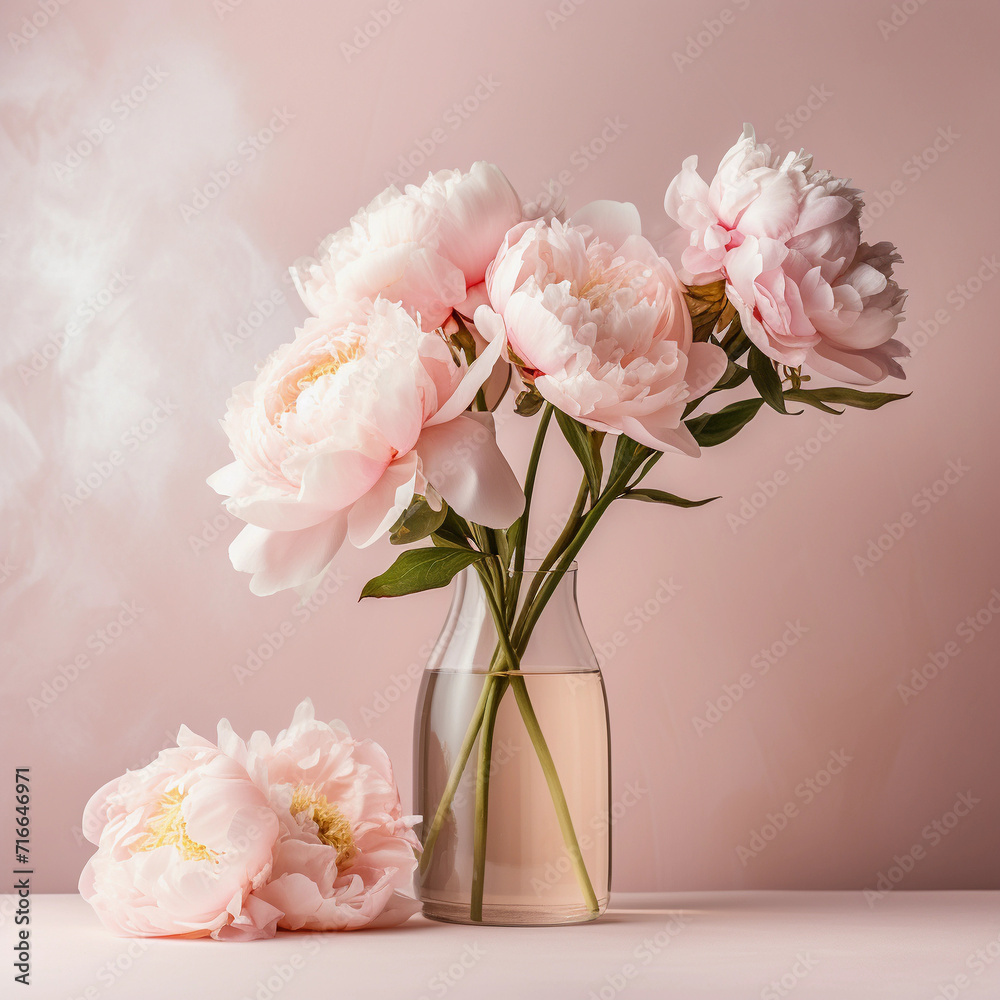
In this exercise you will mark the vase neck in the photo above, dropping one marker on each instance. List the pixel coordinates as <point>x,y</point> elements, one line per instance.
<point>557,640</point>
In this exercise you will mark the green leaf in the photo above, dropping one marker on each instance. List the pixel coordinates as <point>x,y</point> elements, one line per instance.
<point>844,395</point>
<point>528,402</point>
<point>735,342</point>
<point>766,380</point>
<point>735,375</point>
<point>710,429</point>
<point>580,440</point>
<point>626,450</point>
<point>418,521</point>
<point>420,569</point>
<point>799,397</point>
<point>659,496</point>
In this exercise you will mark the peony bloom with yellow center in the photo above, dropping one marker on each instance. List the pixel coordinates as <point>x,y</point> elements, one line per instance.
<point>182,845</point>
<point>342,427</point>
<point>346,853</point>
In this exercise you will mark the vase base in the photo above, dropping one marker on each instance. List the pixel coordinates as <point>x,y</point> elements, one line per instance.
<point>512,915</point>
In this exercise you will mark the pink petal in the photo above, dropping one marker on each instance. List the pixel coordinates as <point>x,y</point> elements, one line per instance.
<point>475,220</point>
<point>380,508</point>
<point>282,559</point>
<point>465,392</point>
<point>257,919</point>
<point>463,462</point>
<point>335,479</point>
<point>646,431</point>
<point>706,364</point>
<point>611,221</point>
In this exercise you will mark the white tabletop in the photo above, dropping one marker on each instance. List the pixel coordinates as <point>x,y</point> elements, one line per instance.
<point>732,945</point>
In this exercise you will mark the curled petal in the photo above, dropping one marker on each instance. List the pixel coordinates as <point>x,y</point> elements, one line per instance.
<point>280,560</point>
<point>380,508</point>
<point>462,461</point>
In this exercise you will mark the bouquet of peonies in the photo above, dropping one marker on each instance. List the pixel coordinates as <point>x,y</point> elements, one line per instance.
<point>436,301</point>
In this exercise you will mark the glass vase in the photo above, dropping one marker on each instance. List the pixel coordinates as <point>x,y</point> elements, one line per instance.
<point>512,760</point>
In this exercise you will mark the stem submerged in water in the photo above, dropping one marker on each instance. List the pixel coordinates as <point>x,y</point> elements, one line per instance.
<point>501,586</point>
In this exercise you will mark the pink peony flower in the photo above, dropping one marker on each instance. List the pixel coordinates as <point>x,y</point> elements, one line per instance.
<point>597,321</point>
<point>341,428</point>
<point>787,240</point>
<point>426,247</point>
<point>345,855</point>
<point>182,845</point>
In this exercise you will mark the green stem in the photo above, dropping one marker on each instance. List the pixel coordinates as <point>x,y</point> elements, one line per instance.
<point>521,535</point>
<point>481,823</point>
<point>465,750</point>
<point>502,654</point>
<point>522,630</point>
<point>569,528</point>
<point>555,790</point>
<point>534,729</point>
<point>455,777</point>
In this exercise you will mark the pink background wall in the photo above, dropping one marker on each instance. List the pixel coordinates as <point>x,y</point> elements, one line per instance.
<point>131,397</point>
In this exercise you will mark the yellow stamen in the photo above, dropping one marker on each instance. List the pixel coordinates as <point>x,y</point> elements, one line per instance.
<point>167,826</point>
<point>334,826</point>
<point>343,354</point>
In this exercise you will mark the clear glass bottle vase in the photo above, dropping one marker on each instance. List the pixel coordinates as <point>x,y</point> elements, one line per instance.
<point>512,766</point>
